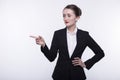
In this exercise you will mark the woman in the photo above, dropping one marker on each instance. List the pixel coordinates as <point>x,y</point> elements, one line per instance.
<point>70,43</point>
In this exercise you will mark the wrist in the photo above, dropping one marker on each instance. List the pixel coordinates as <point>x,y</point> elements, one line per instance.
<point>43,45</point>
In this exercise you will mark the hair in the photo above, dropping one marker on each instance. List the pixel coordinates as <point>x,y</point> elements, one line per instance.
<point>76,9</point>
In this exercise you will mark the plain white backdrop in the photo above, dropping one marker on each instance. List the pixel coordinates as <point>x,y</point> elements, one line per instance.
<point>21,58</point>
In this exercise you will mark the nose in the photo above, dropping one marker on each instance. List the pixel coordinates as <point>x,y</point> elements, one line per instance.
<point>65,18</point>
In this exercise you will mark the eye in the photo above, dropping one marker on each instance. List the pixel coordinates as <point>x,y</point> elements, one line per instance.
<point>69,15</point>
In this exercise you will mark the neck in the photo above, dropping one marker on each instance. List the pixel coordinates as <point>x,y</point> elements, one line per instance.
<point>71,28</point>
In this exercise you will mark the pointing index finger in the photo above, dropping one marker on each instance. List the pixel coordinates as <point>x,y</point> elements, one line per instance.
<point>33,37</point>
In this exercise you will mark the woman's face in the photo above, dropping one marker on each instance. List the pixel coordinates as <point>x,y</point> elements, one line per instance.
<point>69,17</point>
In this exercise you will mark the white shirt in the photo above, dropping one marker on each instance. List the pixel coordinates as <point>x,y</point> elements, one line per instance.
<point>71,41</point>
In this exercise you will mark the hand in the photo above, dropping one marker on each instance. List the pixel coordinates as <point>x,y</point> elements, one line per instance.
<point>78,62</point>
<point>39,40</point>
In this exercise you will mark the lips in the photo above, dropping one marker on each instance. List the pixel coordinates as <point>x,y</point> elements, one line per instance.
<point>66,22</point>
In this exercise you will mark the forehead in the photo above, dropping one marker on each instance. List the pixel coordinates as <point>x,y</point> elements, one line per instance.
<point>68,11</point>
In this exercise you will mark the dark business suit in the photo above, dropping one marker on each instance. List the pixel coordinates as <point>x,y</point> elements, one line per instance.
<point>64,69</point>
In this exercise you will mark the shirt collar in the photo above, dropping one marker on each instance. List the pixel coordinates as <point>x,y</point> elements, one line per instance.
<point>74,32</point>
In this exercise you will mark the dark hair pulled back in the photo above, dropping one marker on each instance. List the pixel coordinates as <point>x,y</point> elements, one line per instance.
<point>76,9</point>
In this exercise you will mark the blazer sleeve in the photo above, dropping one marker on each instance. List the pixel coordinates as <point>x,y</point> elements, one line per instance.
<point>52,52</point>
<point>96,49</point>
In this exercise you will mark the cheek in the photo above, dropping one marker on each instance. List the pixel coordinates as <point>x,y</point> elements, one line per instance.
<point>73,20</point>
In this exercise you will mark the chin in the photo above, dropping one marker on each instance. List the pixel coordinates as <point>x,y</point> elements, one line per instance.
<point>67,26</point>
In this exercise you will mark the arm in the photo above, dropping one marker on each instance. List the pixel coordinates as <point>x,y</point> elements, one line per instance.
<point>96,49</point>
<point>52,52</point>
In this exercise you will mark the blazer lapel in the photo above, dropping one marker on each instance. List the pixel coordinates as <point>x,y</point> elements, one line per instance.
<point>78,37</point>
<point>65,41</point>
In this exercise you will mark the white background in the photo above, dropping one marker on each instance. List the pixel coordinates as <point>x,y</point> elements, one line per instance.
<point>21,58</point>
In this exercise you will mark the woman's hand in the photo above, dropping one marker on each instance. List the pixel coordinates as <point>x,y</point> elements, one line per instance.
<point>39,40</point>
<point>78,62</point>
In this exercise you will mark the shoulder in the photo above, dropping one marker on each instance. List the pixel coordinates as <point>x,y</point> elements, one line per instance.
<point>60,31</point>
<point>83,32</point>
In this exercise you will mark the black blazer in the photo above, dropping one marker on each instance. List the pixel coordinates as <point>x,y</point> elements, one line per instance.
<point>64,69</point>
